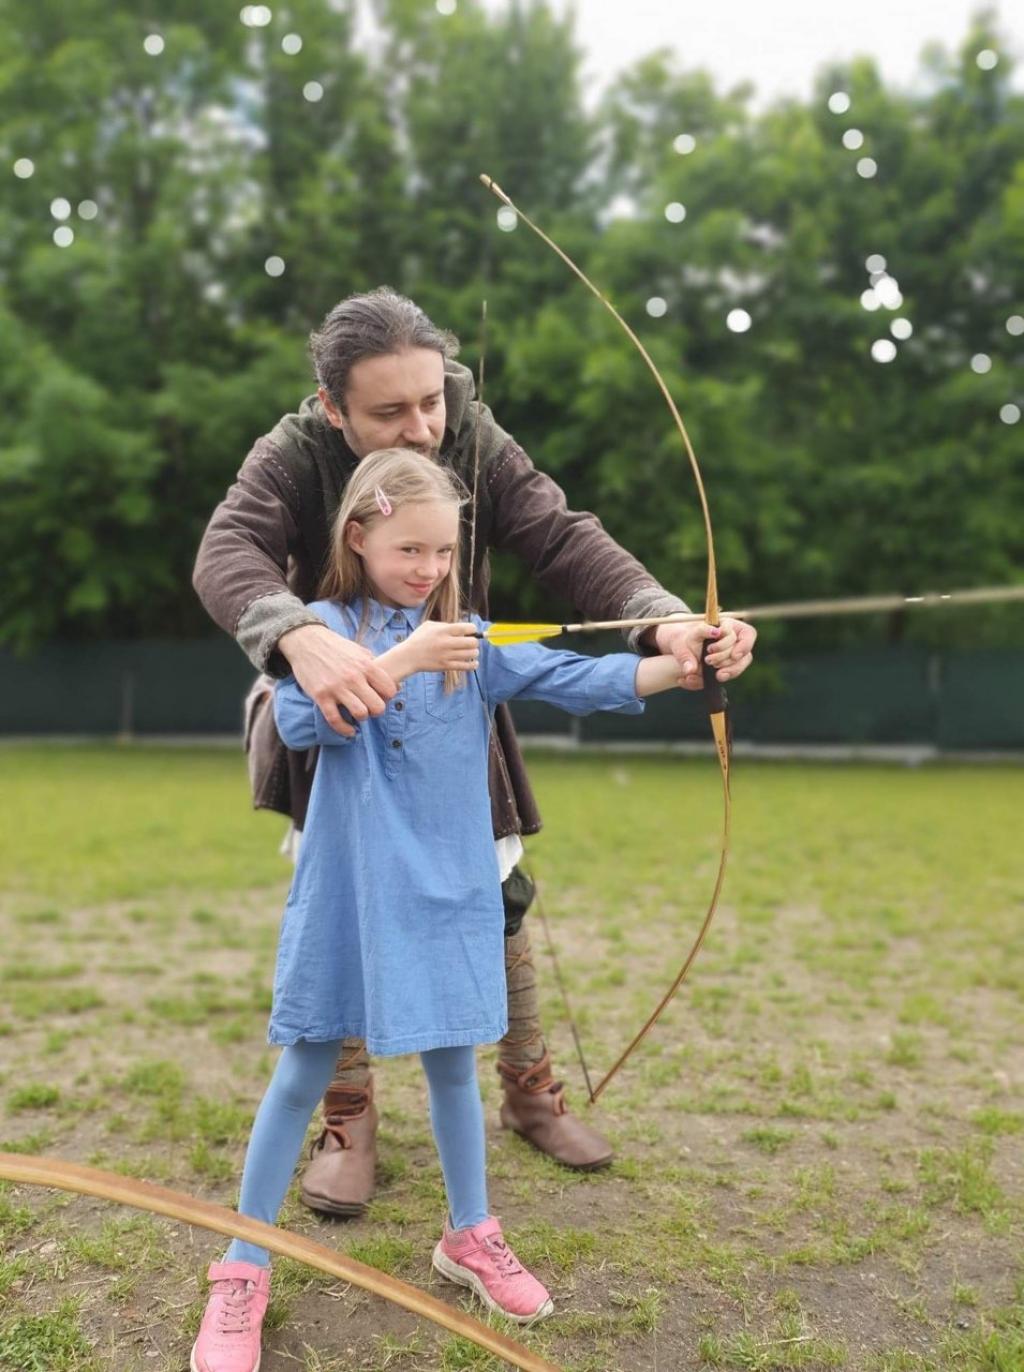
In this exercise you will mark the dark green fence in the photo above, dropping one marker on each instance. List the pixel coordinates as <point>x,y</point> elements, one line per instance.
<point>953,701</point>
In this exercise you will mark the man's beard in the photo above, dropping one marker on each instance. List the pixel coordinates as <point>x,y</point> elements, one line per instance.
<point>431,450</point>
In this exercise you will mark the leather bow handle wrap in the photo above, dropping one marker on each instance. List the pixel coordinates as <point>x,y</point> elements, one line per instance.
<point>158,1200</point>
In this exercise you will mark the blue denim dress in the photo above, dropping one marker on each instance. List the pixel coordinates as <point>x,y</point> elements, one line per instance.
<point>394,926</point>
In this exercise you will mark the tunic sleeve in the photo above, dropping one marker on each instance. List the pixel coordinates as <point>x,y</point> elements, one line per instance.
<point>240,571</point>
<point>572,682</point>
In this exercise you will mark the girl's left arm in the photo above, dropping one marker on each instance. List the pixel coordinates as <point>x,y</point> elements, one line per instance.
<point>571,681</point>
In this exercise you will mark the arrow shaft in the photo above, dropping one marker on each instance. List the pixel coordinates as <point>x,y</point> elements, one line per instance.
<point>791,609</point>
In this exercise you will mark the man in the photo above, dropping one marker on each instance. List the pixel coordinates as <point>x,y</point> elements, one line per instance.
<point>387,377</point>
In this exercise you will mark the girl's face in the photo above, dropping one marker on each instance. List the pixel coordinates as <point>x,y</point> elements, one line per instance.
<point>409,553</point>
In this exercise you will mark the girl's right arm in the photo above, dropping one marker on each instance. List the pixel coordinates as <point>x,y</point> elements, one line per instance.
<point>433,647</point>
<point>300,721</point>
<point>305,720</point>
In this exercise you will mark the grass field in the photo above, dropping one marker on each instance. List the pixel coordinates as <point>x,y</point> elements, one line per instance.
<point>821,1148</point>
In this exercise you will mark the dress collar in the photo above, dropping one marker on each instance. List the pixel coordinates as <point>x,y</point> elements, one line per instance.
<point>380,616</point>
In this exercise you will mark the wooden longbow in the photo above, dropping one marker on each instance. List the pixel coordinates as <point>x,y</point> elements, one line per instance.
<point>158,1200</point>
<point>714,695</point>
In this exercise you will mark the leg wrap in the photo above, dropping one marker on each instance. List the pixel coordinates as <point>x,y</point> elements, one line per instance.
<point>523,1045</point>
<point>353,1065</point>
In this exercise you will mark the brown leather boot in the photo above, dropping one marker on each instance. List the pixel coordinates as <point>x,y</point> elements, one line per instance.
<point>534,1107</point>
<point>340,1176</point>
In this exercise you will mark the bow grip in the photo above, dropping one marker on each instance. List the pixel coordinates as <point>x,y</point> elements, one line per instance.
<point>714,691</point>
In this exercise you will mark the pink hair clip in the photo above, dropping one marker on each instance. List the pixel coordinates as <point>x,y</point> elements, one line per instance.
<point>383,503</point>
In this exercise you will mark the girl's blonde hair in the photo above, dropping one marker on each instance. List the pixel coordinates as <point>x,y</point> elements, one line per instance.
<point>402,477</point>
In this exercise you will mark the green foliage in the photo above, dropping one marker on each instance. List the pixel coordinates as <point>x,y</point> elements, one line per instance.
<point>138,364</point>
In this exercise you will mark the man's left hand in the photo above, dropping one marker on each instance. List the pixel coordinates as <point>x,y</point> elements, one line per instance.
<point>730,650</point>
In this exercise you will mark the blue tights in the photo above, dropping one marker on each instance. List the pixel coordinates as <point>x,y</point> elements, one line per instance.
<point>304,1071</point>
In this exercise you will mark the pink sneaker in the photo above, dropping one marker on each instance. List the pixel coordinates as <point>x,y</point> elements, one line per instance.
<point>229,1336</point>
<point>481,1259</point>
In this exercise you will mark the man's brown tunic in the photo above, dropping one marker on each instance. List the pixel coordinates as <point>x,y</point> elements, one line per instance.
<point>265,548</point>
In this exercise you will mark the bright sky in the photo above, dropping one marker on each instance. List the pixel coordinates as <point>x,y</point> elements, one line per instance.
<point>777,44</point>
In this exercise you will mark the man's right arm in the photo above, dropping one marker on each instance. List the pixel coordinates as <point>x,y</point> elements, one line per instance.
<point>240,568</point>
<point>240,578</point>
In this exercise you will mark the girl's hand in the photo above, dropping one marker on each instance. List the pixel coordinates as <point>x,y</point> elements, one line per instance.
<point>437,647</point>
<point>730,649</point>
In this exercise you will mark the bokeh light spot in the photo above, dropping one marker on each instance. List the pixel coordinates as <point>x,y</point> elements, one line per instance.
<point>888,292</point>
<point>901,329</point>
<point>883,350</point>
<point>153,44</point>
<point>867,167</point>
<point>60,208</point>
<point>987,60</point>
<point>981,363</point>
<point>291,44</point>
<point>274,266</point>
<point>738,321</point>
<point>1010,414</point>
<point>656,306</point>
<point>675,213</point>
<point>684,144</point>
<point>507,218</point>
<point>25,167</point>
<point>63,236</point>
<point>1015,325</point>
<point>869,300</point>
<point>839,102</point>
<point>313,91</point>
<point>446,7</point>
<point>853,139</point>
<point>875,263</point>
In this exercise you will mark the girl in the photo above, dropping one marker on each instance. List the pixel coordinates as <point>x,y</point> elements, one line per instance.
<point>394,927</point>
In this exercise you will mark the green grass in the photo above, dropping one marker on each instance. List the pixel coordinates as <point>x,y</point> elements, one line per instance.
<point>46,1343</point>
<point>816,1145</point>
<point>137,838</point>
<point>35,1096</point>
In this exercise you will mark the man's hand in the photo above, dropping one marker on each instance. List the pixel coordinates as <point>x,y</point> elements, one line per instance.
<point>731,653</point>
<point>436,647</point>
<point>333,671</point>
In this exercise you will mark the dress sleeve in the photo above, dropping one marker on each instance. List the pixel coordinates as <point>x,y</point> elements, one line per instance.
<point>572,682</point>
<point>300,722</point>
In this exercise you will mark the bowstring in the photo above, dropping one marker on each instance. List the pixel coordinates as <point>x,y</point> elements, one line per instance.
<point>530,873</point>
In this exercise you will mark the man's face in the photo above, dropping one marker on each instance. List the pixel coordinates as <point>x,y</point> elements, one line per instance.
<point>392,401</point>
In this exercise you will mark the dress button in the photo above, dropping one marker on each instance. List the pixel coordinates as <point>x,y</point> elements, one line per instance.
<point>399,704</point>
<point>396,743</point>
<point>399,638</point>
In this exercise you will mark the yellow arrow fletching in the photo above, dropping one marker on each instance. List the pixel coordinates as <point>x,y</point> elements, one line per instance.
<point>502,634</point>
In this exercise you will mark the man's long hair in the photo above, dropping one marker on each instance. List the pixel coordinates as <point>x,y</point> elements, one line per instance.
<point>371,325</point>
<point>404,478</point>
